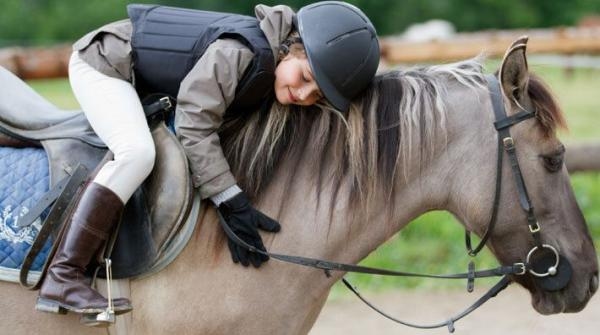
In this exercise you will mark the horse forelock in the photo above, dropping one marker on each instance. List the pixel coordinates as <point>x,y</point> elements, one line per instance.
<point>546,109</point>
<point>390,132</point>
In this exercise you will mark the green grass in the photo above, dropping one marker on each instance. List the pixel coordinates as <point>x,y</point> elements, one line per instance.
<point>58,91</point>
<point>434,243</point>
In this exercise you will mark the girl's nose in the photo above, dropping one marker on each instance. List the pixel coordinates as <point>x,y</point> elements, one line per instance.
<point>302,93</point>
<point>306,91</point>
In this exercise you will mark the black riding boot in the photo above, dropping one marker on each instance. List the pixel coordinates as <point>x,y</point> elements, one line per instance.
<point>66,288</point>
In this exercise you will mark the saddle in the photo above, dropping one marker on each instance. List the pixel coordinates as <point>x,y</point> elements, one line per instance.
<point>159,218</point>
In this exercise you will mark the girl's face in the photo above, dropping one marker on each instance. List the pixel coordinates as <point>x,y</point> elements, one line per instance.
<point>294,82</point>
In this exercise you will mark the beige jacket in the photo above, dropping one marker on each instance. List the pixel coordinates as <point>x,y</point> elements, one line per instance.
<point>205,93</point>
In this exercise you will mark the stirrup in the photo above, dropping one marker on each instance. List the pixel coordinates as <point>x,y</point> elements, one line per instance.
<point>101,320</point>
<point>106,318</point>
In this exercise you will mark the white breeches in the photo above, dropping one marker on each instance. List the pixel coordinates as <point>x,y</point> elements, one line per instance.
<point>115,112</point>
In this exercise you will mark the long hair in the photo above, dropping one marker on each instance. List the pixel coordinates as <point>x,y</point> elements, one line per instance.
<point>388,133</point>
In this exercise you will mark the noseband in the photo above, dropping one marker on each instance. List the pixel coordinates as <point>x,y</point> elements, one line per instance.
<point>551,270</point>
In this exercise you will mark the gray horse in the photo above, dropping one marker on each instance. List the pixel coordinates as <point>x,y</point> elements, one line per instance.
<point>341,185</point>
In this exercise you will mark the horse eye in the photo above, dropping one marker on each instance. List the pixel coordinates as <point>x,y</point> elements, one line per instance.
<point>553,163</point>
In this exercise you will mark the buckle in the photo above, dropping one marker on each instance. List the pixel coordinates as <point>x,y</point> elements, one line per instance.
<point>508,142</point>
<point>534,228</point>
<point>521,269</point>
<point>165,103</point>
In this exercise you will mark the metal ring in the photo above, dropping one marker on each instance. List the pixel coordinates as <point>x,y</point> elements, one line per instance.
<point>551,270</point>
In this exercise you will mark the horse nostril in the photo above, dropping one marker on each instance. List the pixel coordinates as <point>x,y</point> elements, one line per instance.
<point>594,283</point>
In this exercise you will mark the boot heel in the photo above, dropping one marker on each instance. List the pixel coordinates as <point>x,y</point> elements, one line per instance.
<point>49,306</point>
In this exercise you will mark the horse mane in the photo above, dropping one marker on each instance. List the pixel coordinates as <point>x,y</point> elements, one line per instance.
<point>395,121</point>
<point>546,109</point>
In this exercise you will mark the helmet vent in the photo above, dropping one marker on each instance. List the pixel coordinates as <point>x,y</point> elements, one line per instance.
<point>352,76</point>
<point>345,35</point>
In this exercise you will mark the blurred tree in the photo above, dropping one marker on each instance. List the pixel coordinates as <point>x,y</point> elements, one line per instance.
<point>26,22</point>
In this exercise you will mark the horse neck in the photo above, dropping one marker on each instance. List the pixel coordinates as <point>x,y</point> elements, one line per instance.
<point>310,228</point>
<point>464,173</point>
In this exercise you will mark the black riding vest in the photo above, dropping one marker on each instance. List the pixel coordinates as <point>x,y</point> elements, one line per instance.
<point>167,42</point>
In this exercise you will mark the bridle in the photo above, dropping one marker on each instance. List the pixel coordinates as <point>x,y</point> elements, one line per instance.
<point>551,270</point>
<point>543,261</point>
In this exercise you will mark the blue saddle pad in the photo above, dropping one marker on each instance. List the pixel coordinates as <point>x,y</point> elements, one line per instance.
<point>24,179</point>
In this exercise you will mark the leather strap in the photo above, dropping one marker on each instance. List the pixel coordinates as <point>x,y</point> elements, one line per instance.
<point>507,121</point>
<point>503,124</point>
<point>328,266</point>
<point>47,200</point>
<point>492,292</point>
<point>495,207</point>
<point>505,143</point>
<point>55,219</point>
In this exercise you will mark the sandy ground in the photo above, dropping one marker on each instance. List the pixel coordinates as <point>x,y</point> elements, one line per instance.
<point>508,313</point>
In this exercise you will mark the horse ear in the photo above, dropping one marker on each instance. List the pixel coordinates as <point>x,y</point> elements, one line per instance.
<point>521,40</point>
<point>514,73</point>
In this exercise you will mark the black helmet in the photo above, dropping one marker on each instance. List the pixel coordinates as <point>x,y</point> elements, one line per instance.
<point>342,49</point>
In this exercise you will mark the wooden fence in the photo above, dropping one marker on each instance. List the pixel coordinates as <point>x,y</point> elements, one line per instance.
<point>51,62</point>
<point>583,157</point>
<point>38,62</point>
<point>567,41</point>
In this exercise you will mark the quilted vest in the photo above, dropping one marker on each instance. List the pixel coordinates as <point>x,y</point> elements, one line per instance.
<point>167,42</point>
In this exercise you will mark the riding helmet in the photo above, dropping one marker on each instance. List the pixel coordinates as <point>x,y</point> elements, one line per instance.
<point>342,49</point>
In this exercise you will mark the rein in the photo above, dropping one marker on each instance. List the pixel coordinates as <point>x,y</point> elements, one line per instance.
<point>551,270</point>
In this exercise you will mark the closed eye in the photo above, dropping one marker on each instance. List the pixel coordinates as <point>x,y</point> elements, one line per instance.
<point>553,162</point>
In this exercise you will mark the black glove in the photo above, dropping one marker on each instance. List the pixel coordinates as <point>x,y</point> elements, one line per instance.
<point>244,220</point>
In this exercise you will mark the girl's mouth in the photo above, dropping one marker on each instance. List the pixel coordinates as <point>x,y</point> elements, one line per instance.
<point>292,97</point>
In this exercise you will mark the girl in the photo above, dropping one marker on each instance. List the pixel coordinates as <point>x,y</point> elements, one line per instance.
<point>216,64</point>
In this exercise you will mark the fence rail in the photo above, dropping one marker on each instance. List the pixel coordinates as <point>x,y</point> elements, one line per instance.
<point>51,62</point>
<point>36,62</point>
<point>583,157</point>
<point>567,40</point>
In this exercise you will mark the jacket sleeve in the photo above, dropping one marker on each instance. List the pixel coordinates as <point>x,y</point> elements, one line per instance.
<point>203,97</point>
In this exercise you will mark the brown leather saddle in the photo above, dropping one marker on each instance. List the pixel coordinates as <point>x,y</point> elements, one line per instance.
<point>158,220</point>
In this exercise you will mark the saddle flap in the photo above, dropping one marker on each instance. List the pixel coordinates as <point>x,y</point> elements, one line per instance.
<point>155,213</point>
<point>169,185</point>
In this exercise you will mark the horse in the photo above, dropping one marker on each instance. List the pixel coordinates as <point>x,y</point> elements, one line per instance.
<point>342,184</point>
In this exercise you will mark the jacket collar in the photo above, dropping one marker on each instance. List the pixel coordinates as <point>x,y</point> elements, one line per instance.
<point>276,22</point>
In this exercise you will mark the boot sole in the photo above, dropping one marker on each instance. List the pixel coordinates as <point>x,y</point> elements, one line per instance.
<point>53,306</point>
